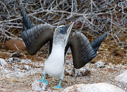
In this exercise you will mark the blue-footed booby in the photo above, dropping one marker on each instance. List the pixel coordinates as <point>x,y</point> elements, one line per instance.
<point>60,40</point>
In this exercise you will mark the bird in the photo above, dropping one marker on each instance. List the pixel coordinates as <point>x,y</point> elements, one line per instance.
<point>59,40</point>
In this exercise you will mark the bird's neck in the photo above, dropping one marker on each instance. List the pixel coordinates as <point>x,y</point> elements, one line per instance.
<point>58,48</point>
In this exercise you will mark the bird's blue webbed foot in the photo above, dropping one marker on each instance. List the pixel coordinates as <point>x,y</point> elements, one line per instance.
<point>59,85</point>
<point>43,80</point>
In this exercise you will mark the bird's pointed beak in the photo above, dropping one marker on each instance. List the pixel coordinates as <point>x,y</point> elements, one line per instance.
<point>68,27</point>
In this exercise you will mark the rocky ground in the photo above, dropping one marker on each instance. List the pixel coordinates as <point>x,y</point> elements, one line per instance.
<point>19,71</point>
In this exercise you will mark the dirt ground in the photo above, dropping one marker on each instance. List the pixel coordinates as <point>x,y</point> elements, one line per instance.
<point>115,62</point>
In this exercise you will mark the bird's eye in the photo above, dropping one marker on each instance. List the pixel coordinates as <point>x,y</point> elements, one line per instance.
<point>61,28</point>
<point>62,31</point>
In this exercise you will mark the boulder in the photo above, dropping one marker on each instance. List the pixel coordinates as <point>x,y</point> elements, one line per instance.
<point>122,77</point>
<point>14,44</point>
<point>120,53</point>
<point>97,87</point>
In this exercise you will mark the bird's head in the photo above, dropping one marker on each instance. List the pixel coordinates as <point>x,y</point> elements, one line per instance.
<point>61,34</point>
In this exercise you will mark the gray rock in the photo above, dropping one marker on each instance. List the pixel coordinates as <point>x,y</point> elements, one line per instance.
<point>10,60</point>
<point>82,72</point>
<point>100,64</point>
<point>77,72</point>
<point>98,87</point>
<point>3,62</point>
<point>122,77</point>
<point>39,86</point>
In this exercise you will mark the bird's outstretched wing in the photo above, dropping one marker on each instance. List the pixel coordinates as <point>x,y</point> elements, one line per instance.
<point>82,50</point>
<point>35,37</point>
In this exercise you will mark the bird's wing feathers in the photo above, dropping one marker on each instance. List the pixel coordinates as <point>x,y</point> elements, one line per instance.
<point>82,51</point>
<point>35,37</point>
<point>27,24</point>
<point>97,42</point>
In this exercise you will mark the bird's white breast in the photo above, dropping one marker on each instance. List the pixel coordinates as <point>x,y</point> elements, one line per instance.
<point>54,65</point>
